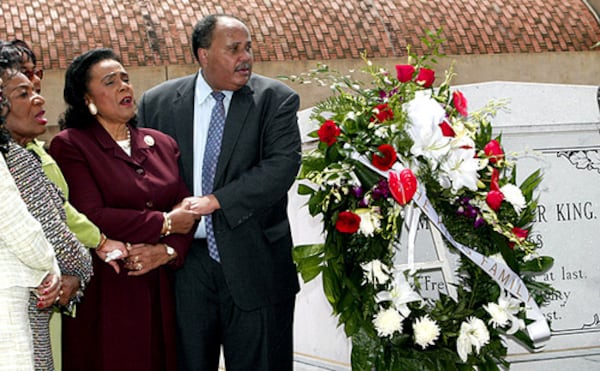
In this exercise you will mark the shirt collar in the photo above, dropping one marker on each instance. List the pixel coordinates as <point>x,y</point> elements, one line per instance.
<point>203,90</point>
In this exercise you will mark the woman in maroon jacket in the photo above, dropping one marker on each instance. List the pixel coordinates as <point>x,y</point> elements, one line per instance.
<point>126,180</point>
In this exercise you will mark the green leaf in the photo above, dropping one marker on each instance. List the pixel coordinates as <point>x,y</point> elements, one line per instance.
<point>304,251</point>
<point>530,184</point>
<point>303,189</point>
<point>539,265</point>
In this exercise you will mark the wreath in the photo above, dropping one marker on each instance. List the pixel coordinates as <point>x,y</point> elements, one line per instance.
<point>391,153</point>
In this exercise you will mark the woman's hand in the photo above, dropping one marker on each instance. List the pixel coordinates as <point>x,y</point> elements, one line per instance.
<point>68,290</point>
<point>145,257</point>
<point>48,291</point>
<point>108,247</point>
<point>182,219</point>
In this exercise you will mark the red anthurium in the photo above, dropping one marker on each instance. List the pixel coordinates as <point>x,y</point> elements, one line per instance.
<point>494,199</point>
<point>460,102</point>
<point>494,186</point>
<point>383,112</point>
<point>426,77</point>
<point>494,151</point>
<point>520,233</point>
<point>386,160</point>
<point>328,132</point>
<point>347,222</point>
<point>405,72</point>
<point>402,185</point>
<point>447,130</point>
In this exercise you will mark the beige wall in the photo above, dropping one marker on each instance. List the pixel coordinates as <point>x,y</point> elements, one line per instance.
<point>580,68</point>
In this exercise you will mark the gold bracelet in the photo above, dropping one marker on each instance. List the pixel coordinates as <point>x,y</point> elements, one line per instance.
<point>103,240</point>
<point>167,225</point>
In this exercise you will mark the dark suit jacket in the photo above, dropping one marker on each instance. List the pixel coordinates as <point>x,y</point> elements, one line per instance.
<point>260,157</point>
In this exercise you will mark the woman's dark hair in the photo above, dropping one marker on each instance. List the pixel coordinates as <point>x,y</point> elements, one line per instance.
<point>77,77</point>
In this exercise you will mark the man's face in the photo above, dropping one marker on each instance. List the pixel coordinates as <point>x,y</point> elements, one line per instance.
<point>227,63</point>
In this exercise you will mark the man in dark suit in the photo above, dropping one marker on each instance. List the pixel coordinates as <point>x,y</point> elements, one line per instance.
<point>241,298</point>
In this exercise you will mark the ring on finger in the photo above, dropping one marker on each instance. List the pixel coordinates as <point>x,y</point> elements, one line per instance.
<point>138,267</point>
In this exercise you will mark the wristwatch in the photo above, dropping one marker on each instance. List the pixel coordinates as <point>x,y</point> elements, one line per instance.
<point>170,250</point>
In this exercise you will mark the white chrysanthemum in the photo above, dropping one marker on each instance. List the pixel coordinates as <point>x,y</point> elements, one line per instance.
<point>504,312</point>
<point>400,295</point>
<point>513,194</point>
<point>426,331</point>
<point>460,168</point>
<point>473,333</point>
<point>370,221</point>
<point>425,115</point>
<point>375,272</point>
<point>388,321</point>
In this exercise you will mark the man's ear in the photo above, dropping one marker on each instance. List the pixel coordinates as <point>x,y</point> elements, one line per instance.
<point>202,55</point>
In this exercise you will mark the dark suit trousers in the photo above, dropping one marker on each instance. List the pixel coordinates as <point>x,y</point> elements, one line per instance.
<point>207,318</point>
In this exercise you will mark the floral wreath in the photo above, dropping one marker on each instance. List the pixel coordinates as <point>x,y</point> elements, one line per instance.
<point>387,150</point>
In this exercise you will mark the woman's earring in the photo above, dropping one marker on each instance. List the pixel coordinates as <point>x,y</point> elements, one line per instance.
<point>93,109</point>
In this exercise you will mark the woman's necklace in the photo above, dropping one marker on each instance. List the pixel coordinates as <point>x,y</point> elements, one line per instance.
<point>125,144</point>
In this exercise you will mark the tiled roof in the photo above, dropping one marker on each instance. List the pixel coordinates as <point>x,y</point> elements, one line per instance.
<point>156,32</point>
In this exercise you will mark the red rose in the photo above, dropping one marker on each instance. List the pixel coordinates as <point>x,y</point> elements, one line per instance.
<point>460,103</point>
<point>426,77</point>
<point>347,222</point>
<point>404,72</point>
<point>328,132</point>
<point>494,199</point>
<point>402,185</point>
<point>386,159</point>
<point>493,150</point>
<point>383,112</point>
<point>447,130</point>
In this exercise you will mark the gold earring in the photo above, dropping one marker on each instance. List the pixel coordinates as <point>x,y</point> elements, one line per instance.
<point>93,109</point>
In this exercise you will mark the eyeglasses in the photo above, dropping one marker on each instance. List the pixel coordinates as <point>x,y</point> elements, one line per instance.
<point>34,72</point>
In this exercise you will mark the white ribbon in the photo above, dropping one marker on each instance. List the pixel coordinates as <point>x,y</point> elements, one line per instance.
<point>539,331</point>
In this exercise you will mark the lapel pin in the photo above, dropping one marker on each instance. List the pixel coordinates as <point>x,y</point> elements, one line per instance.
<point>149,140</point>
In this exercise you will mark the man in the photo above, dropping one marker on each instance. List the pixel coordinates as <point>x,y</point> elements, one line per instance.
<point>240,293</point>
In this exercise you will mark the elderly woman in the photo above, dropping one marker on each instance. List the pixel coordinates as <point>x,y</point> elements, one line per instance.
<point>25,128</point>
<point>26,258</point>
<point>44,202</point>
<point>126,180</point>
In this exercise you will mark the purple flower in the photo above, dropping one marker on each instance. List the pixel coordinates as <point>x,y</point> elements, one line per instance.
<point>357,191</point>
<point>479,222</point>
<point>381,190</point>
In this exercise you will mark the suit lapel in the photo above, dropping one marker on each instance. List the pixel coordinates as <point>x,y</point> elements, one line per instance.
<point>241,103</point>
<point>183,117</point>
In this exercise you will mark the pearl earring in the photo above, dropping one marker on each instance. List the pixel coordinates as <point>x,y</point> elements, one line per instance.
<point>93,109</point>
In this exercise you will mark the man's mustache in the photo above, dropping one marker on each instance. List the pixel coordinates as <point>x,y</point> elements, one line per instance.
<point>243,66</point>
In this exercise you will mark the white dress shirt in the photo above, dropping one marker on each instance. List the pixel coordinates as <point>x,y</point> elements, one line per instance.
<point>203,105</point>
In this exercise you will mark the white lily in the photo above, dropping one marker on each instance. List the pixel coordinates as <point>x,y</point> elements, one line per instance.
<point>460,169</point>
<point>504,312</point>
<point>375,272</point>
<point>400,295</point>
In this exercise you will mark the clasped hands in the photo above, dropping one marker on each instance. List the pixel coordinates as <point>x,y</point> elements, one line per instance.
<point>203,205</point>
<point>136,258</point>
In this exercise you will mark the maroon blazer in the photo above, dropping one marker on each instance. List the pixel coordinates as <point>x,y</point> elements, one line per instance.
<point>123,322</point>
<point>125,196</point>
